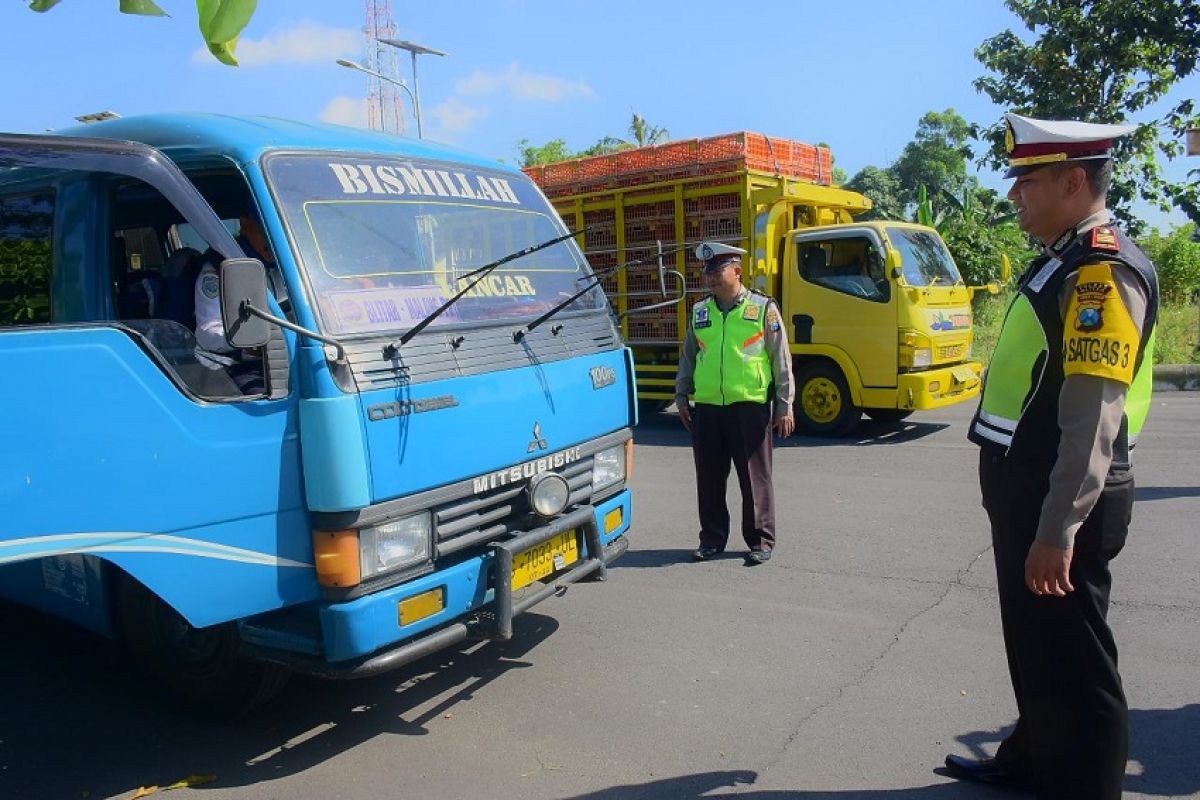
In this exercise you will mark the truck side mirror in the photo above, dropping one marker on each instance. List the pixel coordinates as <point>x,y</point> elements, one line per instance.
<point>894,263</point>
<point>243,289</point>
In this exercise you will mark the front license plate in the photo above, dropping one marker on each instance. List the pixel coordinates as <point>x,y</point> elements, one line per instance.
<point>541,560</point>
<point>964,374</point>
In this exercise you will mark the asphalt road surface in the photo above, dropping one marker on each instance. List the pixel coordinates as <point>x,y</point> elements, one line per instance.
<point>846,668</point>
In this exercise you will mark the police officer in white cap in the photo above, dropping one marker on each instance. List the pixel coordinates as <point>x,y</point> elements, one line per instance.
<point>1065,395</point>
<point>736,361</point>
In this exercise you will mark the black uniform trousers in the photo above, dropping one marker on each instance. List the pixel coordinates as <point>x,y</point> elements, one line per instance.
<point>1072,733</point>
<point>739,433</point>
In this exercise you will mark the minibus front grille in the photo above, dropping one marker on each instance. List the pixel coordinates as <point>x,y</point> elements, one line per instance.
<point>500,512</point>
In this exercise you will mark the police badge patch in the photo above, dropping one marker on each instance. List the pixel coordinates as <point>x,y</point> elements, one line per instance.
<point>1089,299</point>
<point>751,313</point>
<point>210,286</point>
<point>706,252</point>
<point>702,320</point>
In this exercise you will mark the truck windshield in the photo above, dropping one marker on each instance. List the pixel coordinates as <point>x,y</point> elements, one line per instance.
<point>925,260</point>
<point>385,241</point>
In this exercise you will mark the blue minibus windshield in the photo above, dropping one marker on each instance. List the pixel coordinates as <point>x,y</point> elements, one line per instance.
<point>384,241</point>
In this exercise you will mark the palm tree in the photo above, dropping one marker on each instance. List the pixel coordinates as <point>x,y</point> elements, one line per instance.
<point>644,134</point>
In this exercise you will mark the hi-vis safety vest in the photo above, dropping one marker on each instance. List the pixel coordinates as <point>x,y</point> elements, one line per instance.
<point>732,362</point>
<point>1038,348</point>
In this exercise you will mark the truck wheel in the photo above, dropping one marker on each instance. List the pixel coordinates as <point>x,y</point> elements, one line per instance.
<point>201,667</point>
<point>888,414</point>
<point>823,405</point>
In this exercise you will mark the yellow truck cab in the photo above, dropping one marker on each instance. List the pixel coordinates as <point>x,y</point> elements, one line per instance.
<point>880,322</point>
<point>878,317</point>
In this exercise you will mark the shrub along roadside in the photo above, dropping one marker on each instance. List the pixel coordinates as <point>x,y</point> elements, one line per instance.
<point>1177,329</point>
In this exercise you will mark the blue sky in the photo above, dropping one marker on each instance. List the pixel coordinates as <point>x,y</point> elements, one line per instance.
<point>857,76</point>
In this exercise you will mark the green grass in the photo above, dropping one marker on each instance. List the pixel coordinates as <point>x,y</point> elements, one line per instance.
<point>1177,330</point>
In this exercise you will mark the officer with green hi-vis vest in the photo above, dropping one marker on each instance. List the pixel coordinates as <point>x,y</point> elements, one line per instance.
<point>737,363</point>
<point>1065,395</point>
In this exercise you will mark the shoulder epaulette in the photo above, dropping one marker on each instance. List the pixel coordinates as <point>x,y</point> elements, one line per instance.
<point>1105,238</point>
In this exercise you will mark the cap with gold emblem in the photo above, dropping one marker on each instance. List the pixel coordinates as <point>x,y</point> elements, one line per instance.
<point>716,255</point>
<point>1033,143</point>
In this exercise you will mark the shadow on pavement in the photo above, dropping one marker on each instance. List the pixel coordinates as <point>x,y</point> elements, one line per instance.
<point>1162,750</point>
<point>649,559</point>
<point>665,430</point>
<point>1143,493</point>
<point>76,720</point>
<point>706,785</point>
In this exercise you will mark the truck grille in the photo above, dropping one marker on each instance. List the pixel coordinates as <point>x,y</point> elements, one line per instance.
<point>498,512</point>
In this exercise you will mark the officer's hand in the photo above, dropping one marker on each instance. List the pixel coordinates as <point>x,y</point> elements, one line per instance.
<point>785,425</point>
<point>685,412</point>
<point>1048,570</point>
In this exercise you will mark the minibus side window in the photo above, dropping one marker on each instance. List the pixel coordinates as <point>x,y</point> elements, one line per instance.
<point>26,258</point>
<point>162,293</point>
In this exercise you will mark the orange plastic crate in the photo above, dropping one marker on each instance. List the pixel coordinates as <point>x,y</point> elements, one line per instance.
<point>686,158</point>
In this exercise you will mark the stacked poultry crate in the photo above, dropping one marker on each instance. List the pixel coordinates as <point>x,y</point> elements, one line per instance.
<point>680,194</point>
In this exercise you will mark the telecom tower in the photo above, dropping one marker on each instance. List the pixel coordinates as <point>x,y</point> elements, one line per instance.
<point>384,109</point>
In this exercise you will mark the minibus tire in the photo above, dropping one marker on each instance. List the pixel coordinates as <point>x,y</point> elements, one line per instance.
<point>823,406</point>
<point>201,668</point>
<point>888,414</point>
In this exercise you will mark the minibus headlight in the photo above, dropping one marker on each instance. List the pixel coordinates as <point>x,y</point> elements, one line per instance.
<point>549,493</point>
<point>396,544</point>
<point>608,467</point>
<point>922,356</point>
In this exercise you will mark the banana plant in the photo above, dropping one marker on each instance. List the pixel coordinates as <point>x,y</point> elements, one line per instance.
<point>221,21</point>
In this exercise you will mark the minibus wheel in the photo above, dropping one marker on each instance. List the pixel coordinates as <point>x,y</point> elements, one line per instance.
<point>201,667</point>
<point>823,406</point>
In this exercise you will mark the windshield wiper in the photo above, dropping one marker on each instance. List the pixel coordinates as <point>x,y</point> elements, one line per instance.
<point>390,349</point>
<point>595,281</point>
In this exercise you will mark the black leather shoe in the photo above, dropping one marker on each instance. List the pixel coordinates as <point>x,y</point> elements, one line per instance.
<point>705,553</point>
<point>982,770</point>
<point>757,556</point>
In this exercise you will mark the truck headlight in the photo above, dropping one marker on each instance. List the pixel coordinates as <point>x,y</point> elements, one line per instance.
<point>922,356</point>
<point>396,544</point>
<point>608,468</point>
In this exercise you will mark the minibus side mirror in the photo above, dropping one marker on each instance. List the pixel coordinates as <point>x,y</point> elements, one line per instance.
<point>243,291</point>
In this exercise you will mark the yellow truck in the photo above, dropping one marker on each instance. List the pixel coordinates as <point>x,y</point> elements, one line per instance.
<point>877,314</point>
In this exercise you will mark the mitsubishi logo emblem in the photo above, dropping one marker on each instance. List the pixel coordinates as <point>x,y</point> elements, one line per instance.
<point>538,442</point>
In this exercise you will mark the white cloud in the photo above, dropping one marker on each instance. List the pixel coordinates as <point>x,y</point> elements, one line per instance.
<point>455,116</point>
<point>303,43</point>
<point>522,85</point>
<point>346,111</point>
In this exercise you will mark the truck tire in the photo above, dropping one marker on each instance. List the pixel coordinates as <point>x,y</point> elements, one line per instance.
<point>888,414</point>
<point>823,406</point>
<point>200,667</point>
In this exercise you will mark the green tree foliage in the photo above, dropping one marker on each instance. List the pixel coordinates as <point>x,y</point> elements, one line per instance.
<point>25,262</point>
<point>644,134</point>
<point>882,186</point>
<point>1176,256</point>
<point>1103,61</point>
<point>641,133</point>
<point>936,158</point>
<point>221,21</point>
<point>531,155</point>
<point>929,183</point>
